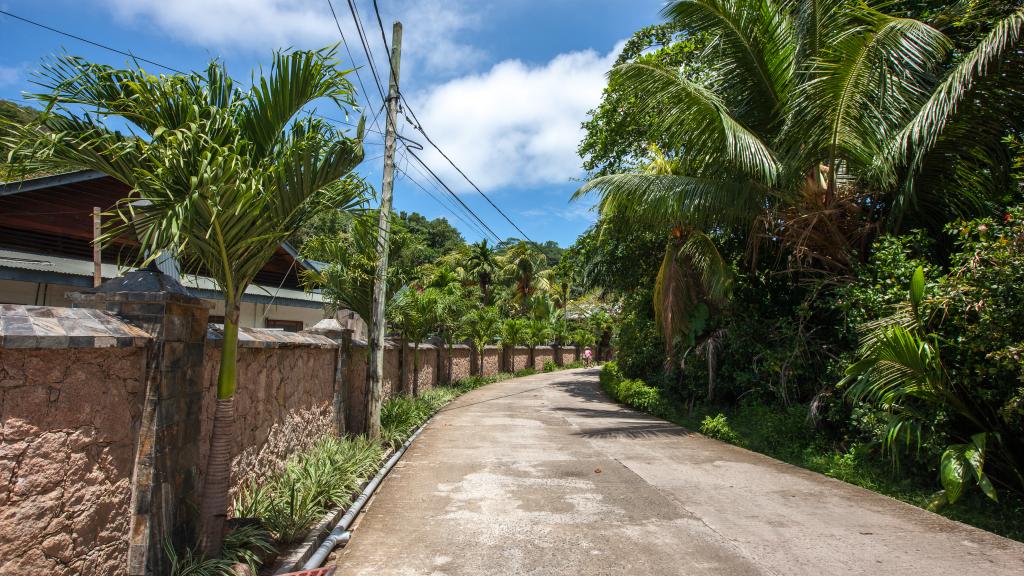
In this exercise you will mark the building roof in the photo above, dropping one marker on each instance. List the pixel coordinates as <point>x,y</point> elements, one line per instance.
<point>46,235</point>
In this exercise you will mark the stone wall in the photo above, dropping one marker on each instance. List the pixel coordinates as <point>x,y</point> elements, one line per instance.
<point>542,354</point>
<point>461,362</point>
<point>76,424</point>
<point>71,392</point>
<point>492,363</point>
<point>282,404</point>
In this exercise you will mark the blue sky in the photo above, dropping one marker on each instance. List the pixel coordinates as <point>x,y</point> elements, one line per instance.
<point>501,86</point>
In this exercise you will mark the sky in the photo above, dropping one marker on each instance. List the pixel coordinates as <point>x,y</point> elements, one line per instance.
<point>501,87</point>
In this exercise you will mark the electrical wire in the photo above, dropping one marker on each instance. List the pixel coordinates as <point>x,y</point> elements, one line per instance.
<point>87,41</point>
<point>419,128</point>
<point>453,194</point>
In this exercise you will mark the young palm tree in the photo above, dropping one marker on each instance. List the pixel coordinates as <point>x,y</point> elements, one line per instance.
<point>538,332</point>
<point>219,177</point>
<point>512,334</point>
<point>480,326</point>
<point>483,263</point>
<point>347,280</point>
<point>415,311</point>
<point>452,306</point>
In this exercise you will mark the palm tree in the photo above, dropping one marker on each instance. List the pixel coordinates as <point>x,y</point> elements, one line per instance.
<point>797,94</point>
<point>512,334</point>
<point>524,265</point>
<point>480,326</point>
<point>483,264</point>
<point>346,281</point>
<point>452,306</point>
<point>538,332</point>
<point>415,311</point>
<point>901,373</point>
<point>219,178</point>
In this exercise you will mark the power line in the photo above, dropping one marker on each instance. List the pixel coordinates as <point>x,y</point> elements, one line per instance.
<point>351,57</point>
<point>453,194</point>
<point>448,205</point>
<point>419,127</point>
<point>354,10</point>
<point>468,224</point>
<point>364,41</point>
<point>87,41</point>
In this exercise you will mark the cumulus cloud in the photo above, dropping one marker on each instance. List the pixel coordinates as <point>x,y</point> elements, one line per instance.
<point>515,125</point>
<point>262,25</point>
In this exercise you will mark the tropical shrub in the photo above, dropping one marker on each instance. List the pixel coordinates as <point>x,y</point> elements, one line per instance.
<point>550,366</point>
<point>717,427</point>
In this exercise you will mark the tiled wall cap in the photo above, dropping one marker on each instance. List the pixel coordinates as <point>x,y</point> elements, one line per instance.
<point>57,327</point>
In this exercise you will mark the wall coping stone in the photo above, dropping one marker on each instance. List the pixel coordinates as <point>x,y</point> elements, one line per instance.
<point>262,338</point>
<point>57,327</point>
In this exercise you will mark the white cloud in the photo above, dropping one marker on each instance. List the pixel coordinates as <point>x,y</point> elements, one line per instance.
<point>516,124</point>
<point>262,25</point>
<point>9,75</point>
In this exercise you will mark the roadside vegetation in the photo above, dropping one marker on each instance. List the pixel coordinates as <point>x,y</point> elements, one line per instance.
<point>811,220</point>
<point>277,509</point>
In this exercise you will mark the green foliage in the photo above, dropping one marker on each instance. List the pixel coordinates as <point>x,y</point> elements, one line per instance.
<point>524,372</point>
<point>631,392</point>
<point>351,256</point>
<point>550,366</point>
<point>717,427</point>
<point>289,502</point>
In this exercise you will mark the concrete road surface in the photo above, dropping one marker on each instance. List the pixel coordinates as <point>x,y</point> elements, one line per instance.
<point>544,475</point>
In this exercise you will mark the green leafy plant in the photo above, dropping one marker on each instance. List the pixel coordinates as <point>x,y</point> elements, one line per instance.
<point>550,366</point>
<point>717,427</point>
<point>901,373</point>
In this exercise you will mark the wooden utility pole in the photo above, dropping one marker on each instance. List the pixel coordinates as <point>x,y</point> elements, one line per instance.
<point>380,281</point>
<point>97,263</point>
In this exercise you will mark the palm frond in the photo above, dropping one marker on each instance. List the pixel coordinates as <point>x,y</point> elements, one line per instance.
<point>695,118</point>
<point>753,52</point>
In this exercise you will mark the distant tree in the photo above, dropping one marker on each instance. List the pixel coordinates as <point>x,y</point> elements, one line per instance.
<point>483,264</point>
<point>513,333</point>
<point>480,326</point>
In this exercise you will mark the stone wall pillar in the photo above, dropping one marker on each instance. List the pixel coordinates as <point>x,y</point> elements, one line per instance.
<point>165,491</point>
<point>342,336</point>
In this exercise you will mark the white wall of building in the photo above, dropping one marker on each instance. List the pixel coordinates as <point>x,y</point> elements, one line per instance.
<point>253,315</point>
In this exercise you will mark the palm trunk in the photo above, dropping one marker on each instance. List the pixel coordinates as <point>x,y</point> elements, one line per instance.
<point>416,369</point>
<point>214,507</point>
<point>448,370</point>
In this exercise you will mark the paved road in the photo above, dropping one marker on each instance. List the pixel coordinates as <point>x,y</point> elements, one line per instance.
<point>543,475</point>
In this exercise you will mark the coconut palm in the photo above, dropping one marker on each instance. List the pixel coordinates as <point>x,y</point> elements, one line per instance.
<point>480,326</point>
<point>513,332</point>
<point>482,262</point>
<point>219,177</point>
<point>817,119</point>
<point>524,266</point>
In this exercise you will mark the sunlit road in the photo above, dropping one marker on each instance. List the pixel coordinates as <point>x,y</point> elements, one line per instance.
<point>544,475</point>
